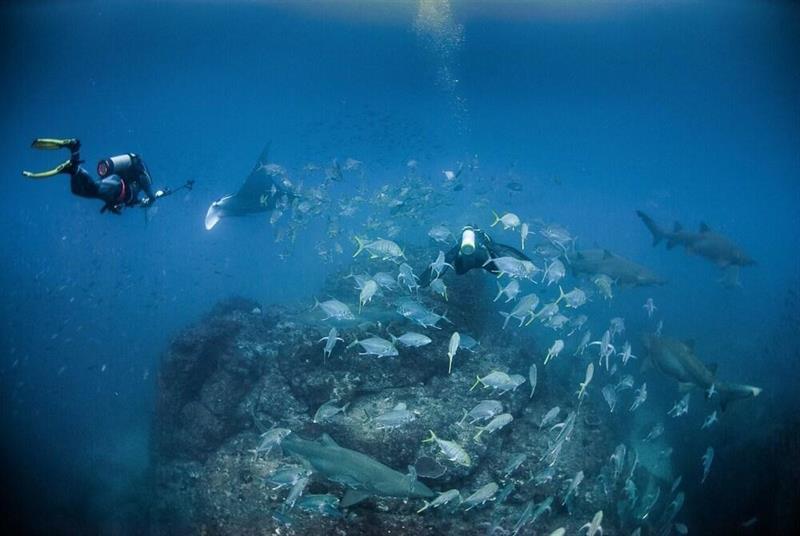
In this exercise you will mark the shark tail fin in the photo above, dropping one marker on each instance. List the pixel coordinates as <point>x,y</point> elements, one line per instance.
<point>316,304</point>
<point>652,226</point>
<point>425,507</point>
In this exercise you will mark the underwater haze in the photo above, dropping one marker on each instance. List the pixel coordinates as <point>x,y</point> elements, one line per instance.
<point>173,369</point>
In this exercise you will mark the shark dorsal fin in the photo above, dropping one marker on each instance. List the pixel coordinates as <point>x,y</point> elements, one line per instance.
<point>677,227</point>
<point>704,228</point>
<point>689,343</point>
<point>328,441</point>
<point>352,497</point>
<point>607,254</point>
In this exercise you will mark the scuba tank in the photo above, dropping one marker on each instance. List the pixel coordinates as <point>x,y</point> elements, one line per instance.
<point>117,165</point>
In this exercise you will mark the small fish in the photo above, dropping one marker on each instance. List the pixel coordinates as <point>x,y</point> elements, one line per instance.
<point>442,499</point>
<point>524,307</point>
<point>367,292</point>
<point>554,272</point>
<point>499,381</point>
<point>438,286</point>
<point>509,220</point>
<point>532,373</point>
<point>333,336</point>
<point>544,476</point>
<point>618,459</point>
<point>483,494</point>
<point>438,266</point>
<point>326,505</point>
<point>407,277</point>
<point>650,307</point>
<point>711,419</point>
<point>467,343</point>
<point>587,336</point>
<point>411,339</point>
<point>708,457</point>
<point>495,424</point>
<point>573,487</point>
<point>297,490</point>
<point>550,416</point>
<point>511,290</point>
<point>641,396</point>
<point>441,234</point>
<point>554,350</point>
<point>334,309</point>
<point>486,409</point>
<point>287,476</point>
<point>271,438</point>
<point>603,284</point>
<point>681,407</point>
<point>585,383</point>
<point>514,463</point>
<point>573,299</point>
<point>455,338</point>
<point>610,396</point>
<point>593,527</point>
<point>626,382</point>
<point>380,249</point>
<point>655,432</point>
<point>451,450</point>
<point>523,233</point>
<point>328,410</point>
<point>396,417</point>
<point>626,353</point>
<point>375,346</point>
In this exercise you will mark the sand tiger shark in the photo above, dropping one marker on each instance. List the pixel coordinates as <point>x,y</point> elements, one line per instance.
<point>618,268</point>
<point>677,360</point>
<point>362,475</point>
<point>714,246</point>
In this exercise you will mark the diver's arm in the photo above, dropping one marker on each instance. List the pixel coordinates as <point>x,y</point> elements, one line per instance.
<point>145,182</point>
<point>502,250</point>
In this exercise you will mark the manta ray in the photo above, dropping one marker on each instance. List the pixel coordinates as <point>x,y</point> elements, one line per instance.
<point>263,189</point>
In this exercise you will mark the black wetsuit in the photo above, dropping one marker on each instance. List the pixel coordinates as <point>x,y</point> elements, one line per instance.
<point>118,190</point>
<point>485,249</point>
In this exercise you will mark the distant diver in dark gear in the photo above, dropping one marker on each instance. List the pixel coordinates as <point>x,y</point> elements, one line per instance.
<point>124,180</point>
<point>475,249</point>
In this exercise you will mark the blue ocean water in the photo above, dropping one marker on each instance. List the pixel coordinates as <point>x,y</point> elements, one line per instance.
<point>687,112</point>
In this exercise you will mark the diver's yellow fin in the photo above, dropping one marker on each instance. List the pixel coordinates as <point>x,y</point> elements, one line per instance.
<point>53,143</point>
<point>50,172</point>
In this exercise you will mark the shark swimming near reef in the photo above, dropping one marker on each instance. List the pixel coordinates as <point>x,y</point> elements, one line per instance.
<point>716,247</point>
<point>363,475</point>
<point>618,268</point>
<point>677,360</point>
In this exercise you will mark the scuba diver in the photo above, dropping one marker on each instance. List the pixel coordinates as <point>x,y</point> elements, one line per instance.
<point>474,249</point>
<point>124,180</point>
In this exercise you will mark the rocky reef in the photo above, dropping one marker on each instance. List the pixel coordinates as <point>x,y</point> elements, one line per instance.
<point>244,369</point>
